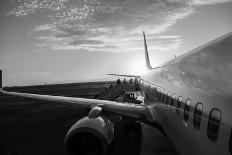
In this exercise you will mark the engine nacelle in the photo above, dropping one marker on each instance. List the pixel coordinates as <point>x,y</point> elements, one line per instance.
<point>90,136</point>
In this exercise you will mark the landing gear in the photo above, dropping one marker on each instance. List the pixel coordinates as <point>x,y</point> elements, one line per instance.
<point>132,128</point>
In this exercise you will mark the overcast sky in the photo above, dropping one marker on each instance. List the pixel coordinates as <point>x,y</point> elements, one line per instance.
<point>55,41</point>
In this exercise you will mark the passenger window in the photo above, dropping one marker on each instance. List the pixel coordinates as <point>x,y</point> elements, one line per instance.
<point>187,109</point>
<point>165,98</point>
<point>172,99</point>
<point>214,124</point>
<point>178,104</point>
<point>197,115</point>
<point>161,96</point>
<point>157,95</point>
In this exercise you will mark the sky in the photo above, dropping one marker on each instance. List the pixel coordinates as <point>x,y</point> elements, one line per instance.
<point>60,41</point>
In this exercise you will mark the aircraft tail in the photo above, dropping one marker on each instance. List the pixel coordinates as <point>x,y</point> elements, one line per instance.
<point>147,60</point>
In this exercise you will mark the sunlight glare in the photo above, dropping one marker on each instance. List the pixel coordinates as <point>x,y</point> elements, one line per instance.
<point>137,66</point>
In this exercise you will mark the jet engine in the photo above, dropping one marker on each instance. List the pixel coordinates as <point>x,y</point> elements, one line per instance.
<point>90,136</point>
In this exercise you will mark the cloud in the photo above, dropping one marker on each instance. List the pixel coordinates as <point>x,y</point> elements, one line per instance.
<point>120,25</point>
<point>84,42</point>
<point>169,37</point>
<point>208,2</point>
<point>112,26</point>
<point>25,7</point>
<point>45,27</point>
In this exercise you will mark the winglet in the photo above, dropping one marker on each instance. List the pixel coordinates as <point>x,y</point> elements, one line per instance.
<point>0,80</point>
<point>147,61</point>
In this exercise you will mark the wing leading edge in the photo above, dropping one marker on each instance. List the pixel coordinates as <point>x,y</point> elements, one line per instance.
<point>136,111</point>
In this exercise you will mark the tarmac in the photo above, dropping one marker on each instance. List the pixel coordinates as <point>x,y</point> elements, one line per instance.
<point>29,126</point>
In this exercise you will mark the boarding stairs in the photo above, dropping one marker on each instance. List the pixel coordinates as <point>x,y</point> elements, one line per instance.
<point>116,91</point>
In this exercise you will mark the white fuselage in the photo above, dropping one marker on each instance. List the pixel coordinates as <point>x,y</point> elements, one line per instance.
<point>202,78</point>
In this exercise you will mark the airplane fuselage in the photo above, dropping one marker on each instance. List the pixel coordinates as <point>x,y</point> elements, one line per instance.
<point>193,102</point>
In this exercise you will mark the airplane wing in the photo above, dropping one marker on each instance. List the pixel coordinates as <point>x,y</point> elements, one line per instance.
<point>136,111</point>
<point>124,75</point>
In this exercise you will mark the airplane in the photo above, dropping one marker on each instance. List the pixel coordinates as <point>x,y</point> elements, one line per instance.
<point>188,99</point>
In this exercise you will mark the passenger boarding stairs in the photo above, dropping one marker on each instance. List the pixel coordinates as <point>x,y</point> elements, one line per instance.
<point>116,91</point>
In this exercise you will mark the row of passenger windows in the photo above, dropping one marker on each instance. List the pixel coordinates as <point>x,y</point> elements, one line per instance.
<point>214,116</point>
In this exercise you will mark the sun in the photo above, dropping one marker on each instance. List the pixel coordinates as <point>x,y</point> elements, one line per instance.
<point>136,66</point>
